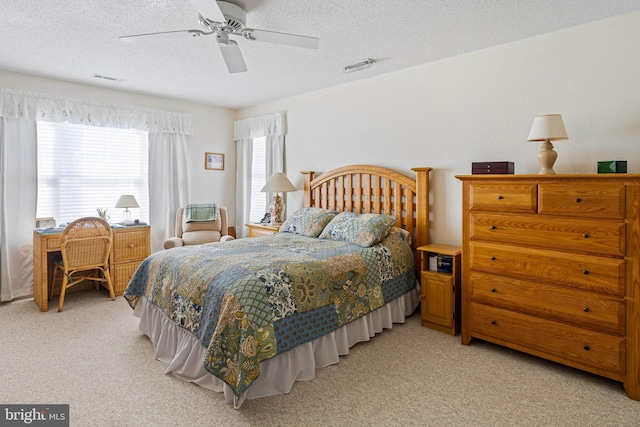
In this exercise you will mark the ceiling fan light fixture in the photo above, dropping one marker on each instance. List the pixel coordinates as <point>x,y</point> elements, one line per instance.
<point>367,63</point>
<point>236,17</point>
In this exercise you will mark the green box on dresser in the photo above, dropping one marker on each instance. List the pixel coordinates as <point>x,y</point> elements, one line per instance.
<point>612,166</point>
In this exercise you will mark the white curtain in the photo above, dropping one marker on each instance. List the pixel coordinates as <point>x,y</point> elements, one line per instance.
<point>36,106</point>
<point>169,185</point>
<point>18,189</point>
<point>244,156</point>
<point>273,127</point>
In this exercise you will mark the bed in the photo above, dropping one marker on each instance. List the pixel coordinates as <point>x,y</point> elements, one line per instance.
<point>249,317</point>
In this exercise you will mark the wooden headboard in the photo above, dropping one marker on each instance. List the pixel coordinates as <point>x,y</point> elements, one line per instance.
<point>374,189</point>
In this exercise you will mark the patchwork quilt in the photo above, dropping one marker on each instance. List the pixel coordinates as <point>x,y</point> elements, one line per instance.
<point>248,300</point>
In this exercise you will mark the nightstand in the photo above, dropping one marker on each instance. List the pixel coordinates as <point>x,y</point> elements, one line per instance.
<point>440,287</point>
<point>256,230</point>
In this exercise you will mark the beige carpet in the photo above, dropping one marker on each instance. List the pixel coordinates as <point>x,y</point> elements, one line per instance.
<point>92,357</point>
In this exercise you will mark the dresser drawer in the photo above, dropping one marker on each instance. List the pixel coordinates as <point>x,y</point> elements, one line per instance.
<point>589,235</point>
<point>132,245</point>
<point>584,309</point>
<point>557,341</point>
<point>503,197</point>
<point>589,272</point>
<point>589,199</point>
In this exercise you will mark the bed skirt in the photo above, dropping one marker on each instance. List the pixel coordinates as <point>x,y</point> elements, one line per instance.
<point>184,354</point>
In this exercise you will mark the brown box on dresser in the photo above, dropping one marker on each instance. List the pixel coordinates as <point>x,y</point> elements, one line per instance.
<point>551,267</point>
<point>492,168</point>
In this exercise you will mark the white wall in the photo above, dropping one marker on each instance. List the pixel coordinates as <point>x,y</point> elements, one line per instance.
<point>213,129</point>
<point>477,107</point>
<point>445,115</point>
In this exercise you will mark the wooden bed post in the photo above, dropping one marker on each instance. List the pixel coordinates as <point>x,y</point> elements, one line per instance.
<point>422,208</point>
<point>308,176</point>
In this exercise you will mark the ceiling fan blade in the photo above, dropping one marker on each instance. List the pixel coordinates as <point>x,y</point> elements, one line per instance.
<point>281,38</point>
<point>233,57</point>
<point>210,10</point>
<point>182,34</point>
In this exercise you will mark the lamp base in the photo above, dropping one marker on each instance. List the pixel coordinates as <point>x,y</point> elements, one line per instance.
<point>546,158</point>
<point>277,210</point>
<point>126,215</point>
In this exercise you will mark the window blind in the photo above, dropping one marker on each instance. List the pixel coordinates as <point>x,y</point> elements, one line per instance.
<point>258,179</point>
<point>81,168</point>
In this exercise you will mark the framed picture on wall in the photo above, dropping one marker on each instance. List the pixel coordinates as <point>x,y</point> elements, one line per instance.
<point>214,161</point>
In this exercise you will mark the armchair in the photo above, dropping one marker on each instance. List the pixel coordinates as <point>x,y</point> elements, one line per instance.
<point>197,233</point>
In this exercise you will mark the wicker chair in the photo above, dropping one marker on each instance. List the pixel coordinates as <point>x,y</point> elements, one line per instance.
<point>85,245</point>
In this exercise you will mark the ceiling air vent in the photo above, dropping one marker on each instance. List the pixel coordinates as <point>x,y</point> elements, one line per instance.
<point>113,79</point>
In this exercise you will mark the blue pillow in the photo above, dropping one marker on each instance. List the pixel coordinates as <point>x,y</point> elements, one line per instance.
<point>308,221</point>
<point>361,229</point>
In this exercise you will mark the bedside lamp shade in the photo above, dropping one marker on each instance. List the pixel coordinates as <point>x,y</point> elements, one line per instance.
<point>277,183</point>
<point>126,201</point>
<point>547,128</point>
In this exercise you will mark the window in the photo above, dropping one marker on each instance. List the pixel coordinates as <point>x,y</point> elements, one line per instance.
<point>81,168</point>
<point>258,179</point>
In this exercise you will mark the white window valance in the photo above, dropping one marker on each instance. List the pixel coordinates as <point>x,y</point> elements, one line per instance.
<point>40,107</point>
<point>256,127</point>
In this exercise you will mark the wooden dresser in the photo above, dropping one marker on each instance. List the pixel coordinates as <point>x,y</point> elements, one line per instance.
<point>551,267</point>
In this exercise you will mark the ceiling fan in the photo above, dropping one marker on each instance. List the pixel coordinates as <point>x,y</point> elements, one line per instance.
<point>225,19</point>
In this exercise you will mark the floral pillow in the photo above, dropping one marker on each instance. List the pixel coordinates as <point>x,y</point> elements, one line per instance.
<point>308,221</point>
<point>362,229</point>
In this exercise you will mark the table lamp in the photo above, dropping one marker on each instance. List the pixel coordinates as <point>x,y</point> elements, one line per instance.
<point>547,128</point>
<point>277,183</point>
<point>127,201</point>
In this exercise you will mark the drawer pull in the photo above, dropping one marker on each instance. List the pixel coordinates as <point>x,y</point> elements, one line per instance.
<point>586,309</point>
<point>578,199</point>
<point>585,272</point>
<point>586,236</point>
<point>586,347</point>
<point>493,227</point>
<point>493,322</point>
<point>500,197</point>
<point>131,245</point>
<point>493,258</point>
<point>493,290</point>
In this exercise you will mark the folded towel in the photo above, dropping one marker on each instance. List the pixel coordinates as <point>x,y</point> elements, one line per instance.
<point>202,212</point>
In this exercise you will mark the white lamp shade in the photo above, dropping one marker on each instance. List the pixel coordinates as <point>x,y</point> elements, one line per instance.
<point>278,183</point>
<point>127,201</point>
<point>549,127</point>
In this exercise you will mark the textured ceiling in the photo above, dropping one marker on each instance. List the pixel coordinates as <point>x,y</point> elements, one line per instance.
<point>76,39</point>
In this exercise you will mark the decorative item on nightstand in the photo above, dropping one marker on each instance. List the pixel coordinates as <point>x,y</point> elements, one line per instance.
<point>277,183</point>
<point>127,201</point>
<point>547,128</point>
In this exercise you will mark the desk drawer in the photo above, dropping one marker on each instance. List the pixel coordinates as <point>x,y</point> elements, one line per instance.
<point>53,244</point>
<point>131,245</point>
<point>122,274</point>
